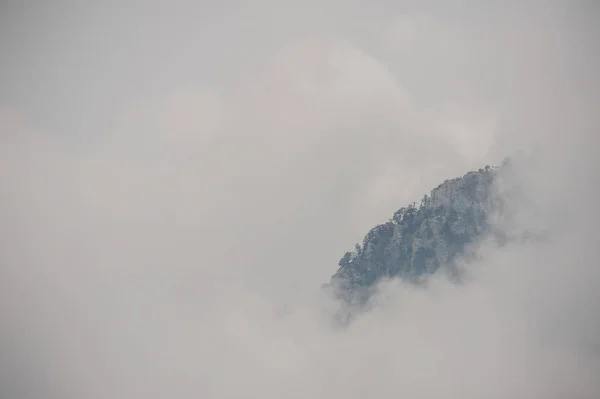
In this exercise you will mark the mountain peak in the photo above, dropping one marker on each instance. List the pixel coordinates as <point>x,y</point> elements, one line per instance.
<point>420,240</point>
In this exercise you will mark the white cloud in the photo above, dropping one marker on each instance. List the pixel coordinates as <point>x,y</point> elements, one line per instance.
<point>179,250</point>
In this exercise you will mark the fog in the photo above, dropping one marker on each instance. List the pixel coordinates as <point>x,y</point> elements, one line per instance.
<point>178,179</point>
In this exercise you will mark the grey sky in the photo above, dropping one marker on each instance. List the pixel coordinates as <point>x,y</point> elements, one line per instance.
<point>173,173</point>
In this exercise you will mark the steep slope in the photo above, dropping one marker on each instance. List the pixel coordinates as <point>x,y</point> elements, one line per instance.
<point>419,240</point>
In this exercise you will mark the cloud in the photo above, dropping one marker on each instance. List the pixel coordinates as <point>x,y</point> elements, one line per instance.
<point>177,246</point>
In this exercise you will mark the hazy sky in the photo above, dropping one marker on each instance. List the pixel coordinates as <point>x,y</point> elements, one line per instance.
<point>173,174</point>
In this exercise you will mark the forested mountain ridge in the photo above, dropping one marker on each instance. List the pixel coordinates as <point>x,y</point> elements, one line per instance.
<point>419,240</point>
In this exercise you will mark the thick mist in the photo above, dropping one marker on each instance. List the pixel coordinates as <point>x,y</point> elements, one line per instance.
<point>178,180</point>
